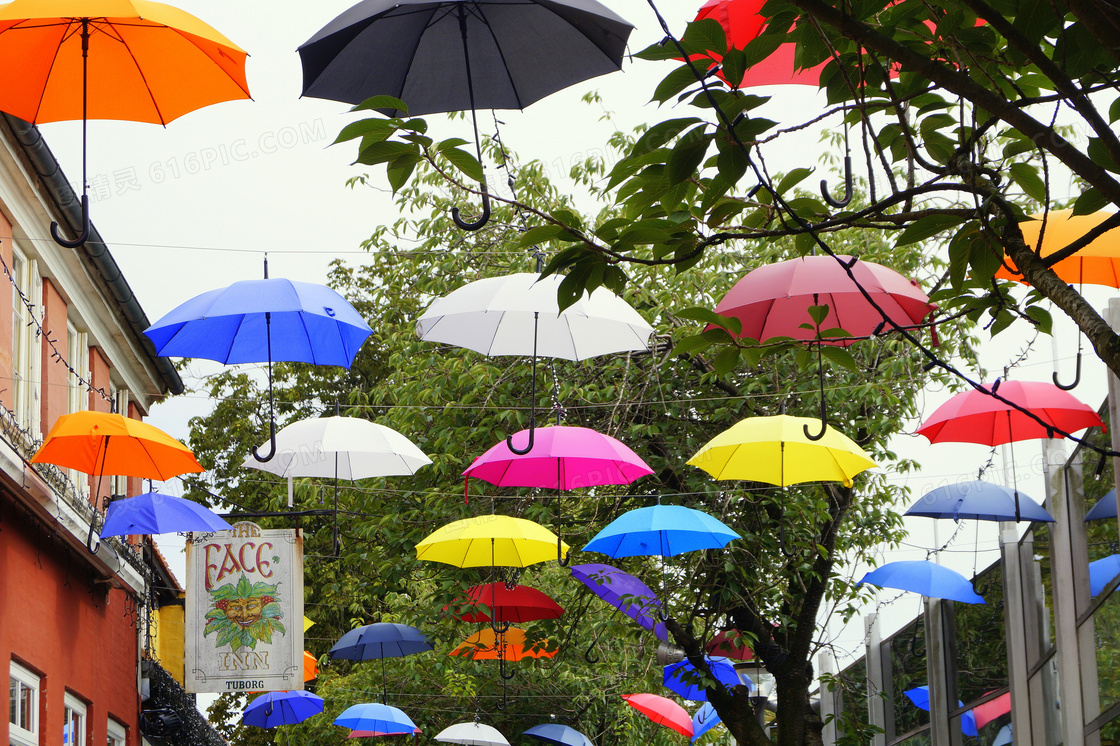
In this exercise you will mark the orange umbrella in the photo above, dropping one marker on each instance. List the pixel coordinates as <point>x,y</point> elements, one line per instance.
<point>310,667</point>
<point>1095,264</point>
<point>510,645</point>
<point>135,60</point>
<point>101,443</point>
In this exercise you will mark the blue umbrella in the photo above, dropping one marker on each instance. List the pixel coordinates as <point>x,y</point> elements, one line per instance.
<point>281,708</point>
<point>625,592</point>
<point>561,735</point>
<point>704,720</point>
<point>924,577</point>
<point>373,716</point>
<point>919,695</point>
<point>380,640</point>
<point>1003,737</point>
<point>257,321</point>
<point>157,513</point>
<point>1105,507</point>
<point>1102,572</point>
<point>665,530</point>
<point>682,678</point>
<point>981,501</point>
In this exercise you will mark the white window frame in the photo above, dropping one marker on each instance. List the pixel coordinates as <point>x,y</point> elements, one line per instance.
<point>19,733</point>
<point>26,355</point>
<point>74,731</point>
<point>77,355</point>
<point>116,734</point>
<point>119,484</point>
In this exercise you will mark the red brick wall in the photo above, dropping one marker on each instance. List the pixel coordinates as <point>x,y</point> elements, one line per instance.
<point>55,392</point>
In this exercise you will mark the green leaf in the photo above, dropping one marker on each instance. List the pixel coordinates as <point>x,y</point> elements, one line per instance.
<point>703,36</point>
<point>1026,176</point>
<point>375,129</point>
<point>383,102</point>
<point>673,83</point>
<point>640,234</point>
<point>688,154</point>
<point>732,161</point>
<point>540,234</point>
<point>925,227</point>
<point>726,361</point>
<point>792,179</point>
<point>1100,155</point>
<point>840,356</point>
<point>466,163</point>
<point>385,151</point>
<point>690,344</point>
<point>818,313</point>
<point>1090,201</point>
<point>1041,317</point>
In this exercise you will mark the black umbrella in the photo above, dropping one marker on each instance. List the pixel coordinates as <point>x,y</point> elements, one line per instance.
<point>454,55</point>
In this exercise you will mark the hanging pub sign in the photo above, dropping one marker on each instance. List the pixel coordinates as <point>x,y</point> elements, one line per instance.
<point>244,615</point>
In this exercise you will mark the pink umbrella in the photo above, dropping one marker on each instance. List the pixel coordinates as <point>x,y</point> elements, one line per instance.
<point>662,711</point>
<point>992,709</point>
<point>563,458</point>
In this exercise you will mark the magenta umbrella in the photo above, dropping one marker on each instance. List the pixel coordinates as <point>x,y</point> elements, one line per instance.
<point>563,458</point>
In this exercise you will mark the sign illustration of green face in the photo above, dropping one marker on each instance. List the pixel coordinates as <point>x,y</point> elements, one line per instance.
<point>243,614</point>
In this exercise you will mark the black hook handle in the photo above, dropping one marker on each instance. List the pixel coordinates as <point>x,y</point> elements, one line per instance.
<point>502,669</point>
<point>272,442</point>
<point>824,412</point>
<point>499,629</point>
<point>661,613</point>
<point>1076,376</point>
<point>563,559</point>
<point>532,393</point>
<point>505,700</point>
<point>483,219</point>
<point>56,234</point>
<point>529,446</point>
<point>92,545</point>
<point>848,191</point>
<point>587,653</point>
<point>787,552</point>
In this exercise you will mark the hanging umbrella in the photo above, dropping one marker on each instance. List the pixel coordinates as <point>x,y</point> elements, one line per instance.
<point>377,733</point>
<point>662,711</point>
<point>157,513</point>
<point>257,321</point>
<point>132,60</point>
<point>776,450</point>
<point>625,592</point>
<point>682,678</point>
<point>1097,263</point>
<point>665,530</point>
<point>561,458</point>
<point>472,734</point>
<point>310,667</point>
<point>380,640</point>
<point>1101,573</point>
<point>510,644</point>
<point>1003,737</point>
<point>561,735</point>
<point>730,644</point>
<point>980,501</point>
<point>454,55</point>
<point>927,578</point>
<point>281,708</point>
<point>487,541</point>
<point>1105,507</point>
<point>919,695</point>
<point>992,709</point>
<point>378,717</point>
<point>498,602</point>
<point>704,720</point>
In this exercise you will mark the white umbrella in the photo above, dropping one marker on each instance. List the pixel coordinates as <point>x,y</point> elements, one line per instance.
<point>495,316</point>
<point>472,734</point>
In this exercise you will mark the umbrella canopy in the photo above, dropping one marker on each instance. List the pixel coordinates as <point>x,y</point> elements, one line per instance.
<point>776,450</point>
<point>1098,263</point>
<point>665,530</point>
<point>561,735</point>
<point>992,709</point>
<point>157,513</point>
<point>497,316</point>
<point>345,447</point>
<point>919,695</point>
<point>310,667</point>
<point>927,578</point>
<point>499,602</point>
<point>378,717</point>
<point>774,300</point>
<point>980,501</point>
<point>682,678</point>
<point>509,645</point>
<point>1003,737</point>
<point>377,733</point>
<point>662,711</point>
<point>380,640</point>
<point>975,417</point>
<point>489,540</point>
<point>1101,573</point>
<point>102,443</point>
<point>624,592</point>
<point>472,734</point>
<point>306,323</point>
<point>1105,507</point>
<point>730,644</point>
<point>704,720</point>
<point>453,56</point>
<point>281,708</point>
<point>563,457</point>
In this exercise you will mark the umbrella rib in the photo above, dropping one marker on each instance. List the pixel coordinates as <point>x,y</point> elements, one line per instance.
<point>68,29</point>
<point>477,12</point>
<point>144,78</point>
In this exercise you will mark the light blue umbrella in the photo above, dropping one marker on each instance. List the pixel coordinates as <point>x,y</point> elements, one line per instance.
<point>978,500</point>
<point>375,716</point>
<point>1003,738</point>
<point>704,720</point>
<point>157,513</point>
<point>924,577</point>
<point>1105,507</point>
<point>561,735</point>
<point>1102,572</point>
<point>664,530</point>
<point>682,678</point>
<point>282,708</point>
<point>919,695</point>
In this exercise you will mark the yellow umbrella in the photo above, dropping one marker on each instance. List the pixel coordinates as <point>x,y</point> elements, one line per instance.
<point>775,450</point>
<point>490,540</point>
<point>1095,264</point>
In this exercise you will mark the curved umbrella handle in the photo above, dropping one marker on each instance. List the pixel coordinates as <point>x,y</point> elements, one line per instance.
<point>502,670</point>
<point>483,219</point>
<point>56,234</point>
<point>562,559</point>
<point>1076,375</point>
<point>499,629</point>
<point>272,444</point>
<point>587,653</point>
<point>529,446</point>
<point>92,545</point>
<point>824,413</point>
<point>848,192</point>
<point>532,396</point>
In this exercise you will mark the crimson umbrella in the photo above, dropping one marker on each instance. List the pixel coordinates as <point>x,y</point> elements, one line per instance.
<point>662,711</point>
<point>992,709</point>
<point>498,602</point>
<point>730,643</point>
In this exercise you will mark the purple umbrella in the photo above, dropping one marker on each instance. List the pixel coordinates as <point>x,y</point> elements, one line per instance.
<point>624,592</point>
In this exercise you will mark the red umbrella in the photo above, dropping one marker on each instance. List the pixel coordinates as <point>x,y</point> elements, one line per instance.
<point>976,417</point>
<point>774,300</point>
<point>992,709</point>
<point>730,644</point>
<point>662,711</point>
<point>520,603</point>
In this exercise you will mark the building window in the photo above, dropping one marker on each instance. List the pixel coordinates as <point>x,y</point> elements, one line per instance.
<point>25,342</point>
<point>23,709</point>
<point>77,355</point>
<point>120,398</point>
<point>116,734</point>
<point>74,732</point>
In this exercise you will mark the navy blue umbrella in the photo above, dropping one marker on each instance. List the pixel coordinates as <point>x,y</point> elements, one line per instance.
<point>924,577</point>
<point>704,720</point>
<point>1105,507</point>
<point>682,678</point>
<point>380,640</point>
<point>377,717</point>
<point>665,530</point>
<point>282,708</point>
<point>981,501</point>
<point>919,695</point>
<point>561,735</point>
<point>1102,572</point>
<point>157,513</point>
